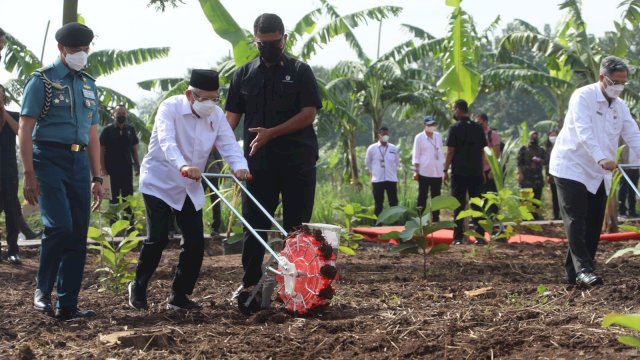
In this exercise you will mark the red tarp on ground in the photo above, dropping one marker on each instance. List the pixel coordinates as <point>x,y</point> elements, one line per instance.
<point>446,236</point>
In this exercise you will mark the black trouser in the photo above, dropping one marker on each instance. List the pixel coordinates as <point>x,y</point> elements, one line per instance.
<point>582,214</point>
<point>626,195</point>
<point>297,184</point>
<point>391,187</point>
<point>121,186</point>
<point>461,186</point>
<point>537,194</point>
<point>215,210</point>
<point>424,184</point>
<point>192,244</point>
<point>554,200</point>
<point>12,210</point>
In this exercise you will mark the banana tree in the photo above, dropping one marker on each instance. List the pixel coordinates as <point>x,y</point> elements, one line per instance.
<point>343,106</point>
<point>461,80</point>
<point>22,62</point>
<point>306,31</point>
<point>571,58</point>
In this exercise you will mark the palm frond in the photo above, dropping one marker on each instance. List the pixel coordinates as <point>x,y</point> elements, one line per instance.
<point>105,62</point>
<point>162,85</point>
<point>19,58</point>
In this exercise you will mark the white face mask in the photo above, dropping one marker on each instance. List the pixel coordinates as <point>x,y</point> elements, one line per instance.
<point>384,138</point>
<point>204,108</point>
<point>76,61</point>
<point>552,139</point>
<point>612,90</point>
<point>430,129</point>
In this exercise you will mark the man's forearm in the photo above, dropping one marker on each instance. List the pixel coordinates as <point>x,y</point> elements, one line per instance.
<point>94,151</point>
<point>298,122</point>
<point>26,143</point>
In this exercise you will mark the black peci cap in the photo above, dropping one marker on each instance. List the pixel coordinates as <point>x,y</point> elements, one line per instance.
<point>74,35</point>
<point>204,79</point>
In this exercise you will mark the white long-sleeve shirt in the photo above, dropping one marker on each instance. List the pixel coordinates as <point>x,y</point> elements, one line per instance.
<point>380,170</point>
<point>428,153</point>
<point>180,138</point>
<point>590,133</point>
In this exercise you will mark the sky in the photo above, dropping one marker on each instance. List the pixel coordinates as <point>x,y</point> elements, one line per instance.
<point>130,24</point>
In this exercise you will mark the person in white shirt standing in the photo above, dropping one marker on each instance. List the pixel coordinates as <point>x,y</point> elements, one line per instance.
<point>186,129</point>
<point>428,161</point>
<point>582,160</point>
<point>382,161</point>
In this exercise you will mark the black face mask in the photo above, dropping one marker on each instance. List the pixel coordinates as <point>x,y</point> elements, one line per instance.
<point>533,141</point>
<point>270,53</point>
<point>121,119</point>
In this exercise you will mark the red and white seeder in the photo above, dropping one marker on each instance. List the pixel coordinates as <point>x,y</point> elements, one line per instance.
<point>302,273</point>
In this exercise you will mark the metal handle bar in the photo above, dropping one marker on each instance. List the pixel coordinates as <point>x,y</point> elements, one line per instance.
<point>622,168</point>
<point>205,176</point>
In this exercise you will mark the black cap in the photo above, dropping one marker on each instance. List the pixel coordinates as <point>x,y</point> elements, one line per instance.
<point>204,79</point>
<point>429,120</point>
<point>74,35</point>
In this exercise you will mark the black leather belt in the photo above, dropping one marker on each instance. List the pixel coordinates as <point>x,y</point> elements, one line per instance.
<point>70,147</point>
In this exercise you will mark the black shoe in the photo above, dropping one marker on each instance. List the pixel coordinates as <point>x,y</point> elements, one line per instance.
<point>137,296</point>
<point>481,242</point>
<point>588,279</point>
<point>14,259</point>
<point>42,301</point>
<point>68,314</point>
<point>458,242</point>
<point>181,302</point>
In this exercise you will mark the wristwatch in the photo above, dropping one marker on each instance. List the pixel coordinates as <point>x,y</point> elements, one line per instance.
<point>97,179</point>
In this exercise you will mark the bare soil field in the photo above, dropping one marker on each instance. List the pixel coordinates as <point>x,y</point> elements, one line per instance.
<point>474,304</point>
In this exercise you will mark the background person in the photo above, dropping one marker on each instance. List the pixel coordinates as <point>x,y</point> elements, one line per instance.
<point>582,160</point>
<point>428,161</point>
<point>59,143</point>
<point>119,156</point>
<point>551,140</point>
<point>465,151</point>
<point>531,162</point>
<point>382,160</point>
<point>10,203</point>
<point>186,129</point>
<point>493,141</point>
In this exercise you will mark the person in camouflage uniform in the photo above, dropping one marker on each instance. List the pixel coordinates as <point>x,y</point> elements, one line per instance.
<point>531,162</point>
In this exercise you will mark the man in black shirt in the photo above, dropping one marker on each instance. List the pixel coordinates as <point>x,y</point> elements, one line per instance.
<point>9,182</point>
<point>465,150</point>
<point>279,99</point>
<point>119,145</point>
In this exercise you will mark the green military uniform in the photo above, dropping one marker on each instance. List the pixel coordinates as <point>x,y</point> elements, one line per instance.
<point>531,162</point>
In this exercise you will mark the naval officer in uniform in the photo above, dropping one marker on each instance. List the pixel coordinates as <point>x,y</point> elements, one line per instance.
<point>60,150</point>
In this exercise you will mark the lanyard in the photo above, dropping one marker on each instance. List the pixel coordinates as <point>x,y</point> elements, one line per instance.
<point>433,143</point>
<point>382,154</point>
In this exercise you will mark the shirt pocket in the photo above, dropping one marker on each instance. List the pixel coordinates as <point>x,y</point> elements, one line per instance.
<point>287,98</point>
<point>252,95</point>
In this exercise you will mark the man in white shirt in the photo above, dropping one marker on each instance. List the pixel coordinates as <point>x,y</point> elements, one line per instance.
<point>186,129</point>
<point>382,162</point>
<point>428,161</point>
<point>582,160</point>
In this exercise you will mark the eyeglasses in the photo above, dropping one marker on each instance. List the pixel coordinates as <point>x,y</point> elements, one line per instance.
<point>201,99</point>
<point>272,43</point>
<point>625,83</point>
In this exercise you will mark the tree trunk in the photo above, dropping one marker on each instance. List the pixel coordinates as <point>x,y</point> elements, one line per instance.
<point>69,11</point>
<point>353,161</point>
